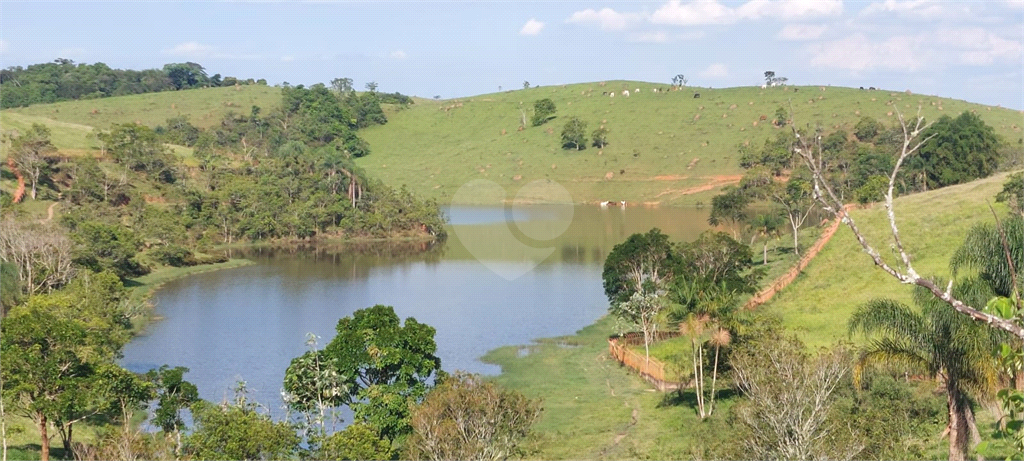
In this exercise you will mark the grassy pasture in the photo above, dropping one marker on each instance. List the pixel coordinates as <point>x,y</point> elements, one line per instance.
<point>665,147</point>
<point>435,147</point>
<point>932,224</point>
<point>205,107</point>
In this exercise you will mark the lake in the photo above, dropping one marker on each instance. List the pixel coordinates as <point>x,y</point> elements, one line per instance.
<point>503,277</point>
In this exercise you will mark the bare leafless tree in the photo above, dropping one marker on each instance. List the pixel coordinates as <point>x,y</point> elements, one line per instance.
<point>810,151</point>
<point>790,398</point>
<point>42,254</point>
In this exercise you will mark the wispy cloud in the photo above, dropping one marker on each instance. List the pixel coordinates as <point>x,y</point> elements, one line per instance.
<point>189,49</point>
<point>858,53</point>
<point>800,32</point>
<point>716,70</point>
<point>710,12</point>
<point>398,54</point>
<point>196,50</point>
<point>532,27</point>
<point>606,18</point>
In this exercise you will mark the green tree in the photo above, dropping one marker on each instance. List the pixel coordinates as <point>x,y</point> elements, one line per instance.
<point>960,149</point>
<point>239,430</point>
<point>383,365</point>
<point>543,110</point>
<point>1013,193</point>
<point>600,137</point>
<point>526,85</point>
<point>643,263</point>
<point>44,365</point>
<point>574,134</point>
<point>173,395</point>
<point>866,129</point>
<point>940,342</point>
<point>139,147</point>
<point>766,226</point>
<point>731,207</point>
<point>32,153</point>
<point>466,417</point>
<point>873,190</point>
<point>105,246</point>
<point>358,441</point>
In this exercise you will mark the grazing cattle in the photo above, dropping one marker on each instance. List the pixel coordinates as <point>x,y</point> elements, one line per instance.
<point>637,90</point>
<point>611,95</point>
<point>696,96</point>
<point>796,89</point>
<point>763,118</point>
<point>625,93</point>
<point>604,93</point>
<point>871,88</point>
<point>862,88</point>
<point>765,85</point>
<point>655,90</point>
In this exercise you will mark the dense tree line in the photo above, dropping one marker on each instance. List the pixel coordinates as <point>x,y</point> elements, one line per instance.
<point>958,149</point>
<point>63,80</point>
<point>288,174</point>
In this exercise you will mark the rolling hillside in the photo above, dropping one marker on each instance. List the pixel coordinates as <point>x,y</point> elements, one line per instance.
<point>664,148</point>
<point>668,148</point>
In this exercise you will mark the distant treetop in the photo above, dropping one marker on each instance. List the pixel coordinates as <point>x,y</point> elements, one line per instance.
<point>63,80</point>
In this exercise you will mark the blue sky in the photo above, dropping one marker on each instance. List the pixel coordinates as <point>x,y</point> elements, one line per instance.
<point>971,50</point>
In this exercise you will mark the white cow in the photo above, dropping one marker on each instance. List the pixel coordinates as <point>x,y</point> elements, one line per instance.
<point>764,85</point>
<point>625,93</point>
<point>637,90</point>
<point>611,95</point>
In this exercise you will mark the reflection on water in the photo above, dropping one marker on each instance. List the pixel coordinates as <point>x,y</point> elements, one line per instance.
<point>248,323</point>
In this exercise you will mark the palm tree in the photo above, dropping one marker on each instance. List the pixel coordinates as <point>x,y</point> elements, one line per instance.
<point>712,314</point>
<point>767,226</point>
<point>940,342</point>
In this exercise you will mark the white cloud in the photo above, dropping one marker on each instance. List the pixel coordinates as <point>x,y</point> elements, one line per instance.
<point>916,9</point>
<point>858,53</point>
<point>716,70</point>
<point>977,46</point>
<point>800,32</point>
<point>532,27</point>
<point>789,9</point>
<point>607,18</point>
<point>189,49</point>
<point>693,13</point>
<point>701,12</point>
<point>649,37</point>
<point>398,54</point>
<point>934,49</point>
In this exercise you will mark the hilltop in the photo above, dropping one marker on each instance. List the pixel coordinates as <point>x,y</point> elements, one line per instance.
<point>663,148</point>
<point>667,148</point>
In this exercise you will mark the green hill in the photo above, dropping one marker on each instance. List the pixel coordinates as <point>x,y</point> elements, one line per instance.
<point>664,148</point>
<point>932,226</point>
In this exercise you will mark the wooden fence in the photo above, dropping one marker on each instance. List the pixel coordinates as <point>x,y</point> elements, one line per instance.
<point>652,369</point>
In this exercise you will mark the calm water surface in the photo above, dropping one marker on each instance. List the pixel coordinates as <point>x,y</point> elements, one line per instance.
<point>248,323</point>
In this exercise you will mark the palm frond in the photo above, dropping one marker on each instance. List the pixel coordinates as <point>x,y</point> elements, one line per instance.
<point>893,352</point>
<point>883,315</point>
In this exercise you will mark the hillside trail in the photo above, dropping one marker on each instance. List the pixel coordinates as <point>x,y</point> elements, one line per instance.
<point>634,418</point>
<point>785,279</point>
<point>49,213</point>
<point>20,192</point>
<point>714,183</point>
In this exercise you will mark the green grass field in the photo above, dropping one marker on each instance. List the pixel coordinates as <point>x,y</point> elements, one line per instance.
<point>659,149</point>
<point>204,107</point>
<point>932,225</point>
<point>435,147</point>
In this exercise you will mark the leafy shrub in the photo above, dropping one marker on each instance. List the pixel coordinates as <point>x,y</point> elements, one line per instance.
<point>173,255</point>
